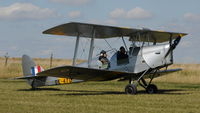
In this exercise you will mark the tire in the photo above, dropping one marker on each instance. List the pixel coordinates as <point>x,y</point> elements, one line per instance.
<point>131,89</point>
<point>151,89</point>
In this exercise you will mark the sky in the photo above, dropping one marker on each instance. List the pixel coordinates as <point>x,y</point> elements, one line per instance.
<point>22,23</point>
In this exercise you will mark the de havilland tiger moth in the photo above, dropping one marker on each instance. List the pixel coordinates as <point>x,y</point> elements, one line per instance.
<point>147,60</point>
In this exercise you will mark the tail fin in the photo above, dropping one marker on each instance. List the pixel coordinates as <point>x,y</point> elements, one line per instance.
<point>29,67</point>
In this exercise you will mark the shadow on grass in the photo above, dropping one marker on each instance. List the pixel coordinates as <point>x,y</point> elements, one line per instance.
<point>74,92</point>
<point>167,92</point>
<point>40,89</point>
<point>85,92</point>
<point>190,86</point>
<point>90,92</point>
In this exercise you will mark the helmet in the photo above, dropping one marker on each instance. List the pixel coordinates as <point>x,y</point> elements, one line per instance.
<point>103,52</point>
<point>122,48</point>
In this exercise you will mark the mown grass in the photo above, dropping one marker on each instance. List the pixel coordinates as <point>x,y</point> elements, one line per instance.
<point>179,93</point>
<point>97,97</point>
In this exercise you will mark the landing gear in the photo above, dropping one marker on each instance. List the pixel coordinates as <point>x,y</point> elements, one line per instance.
<point>150,88</point>
<point>131,89</point>
<point>33,86</point>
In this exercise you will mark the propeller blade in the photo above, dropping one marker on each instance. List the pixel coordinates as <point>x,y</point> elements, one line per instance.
<point>170,49</point>
<point>173,46</point>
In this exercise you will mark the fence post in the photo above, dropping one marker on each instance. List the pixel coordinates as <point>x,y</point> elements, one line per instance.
<point>6,59</point>
<point>51,60</point>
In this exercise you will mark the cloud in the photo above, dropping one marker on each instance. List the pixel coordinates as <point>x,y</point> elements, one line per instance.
<point>74,14</point>
<point>192,17</point>
<point>72,2</point>
<point>25,11</point>
<point>138,13</point>
<point>118,13</point>
<point>135,13</point>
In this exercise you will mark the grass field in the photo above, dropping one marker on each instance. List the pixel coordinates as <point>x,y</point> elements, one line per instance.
<point>179,93</point>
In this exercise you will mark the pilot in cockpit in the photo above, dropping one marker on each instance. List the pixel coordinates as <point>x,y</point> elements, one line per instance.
<point>122,54</point>
<point>104,62</point>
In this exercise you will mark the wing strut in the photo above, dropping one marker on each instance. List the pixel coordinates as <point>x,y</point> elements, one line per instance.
<point>91,48</point>
<point>170,43</point>
<point>76,50</point>
<point>124,43</point>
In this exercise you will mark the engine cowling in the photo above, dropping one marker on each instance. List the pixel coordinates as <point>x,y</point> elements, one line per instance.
<point>154,56</point>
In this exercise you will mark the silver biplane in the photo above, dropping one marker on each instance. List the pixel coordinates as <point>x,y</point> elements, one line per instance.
<point>149,59</point>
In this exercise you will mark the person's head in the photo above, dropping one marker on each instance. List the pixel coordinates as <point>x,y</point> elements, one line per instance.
<point>103,53</point>
<point>122,49</point>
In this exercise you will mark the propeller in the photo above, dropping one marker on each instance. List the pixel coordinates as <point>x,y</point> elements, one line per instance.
<point>173,46</point>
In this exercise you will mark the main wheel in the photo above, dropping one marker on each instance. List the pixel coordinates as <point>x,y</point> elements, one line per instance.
<point>151,89</point>
<point>131,89</point>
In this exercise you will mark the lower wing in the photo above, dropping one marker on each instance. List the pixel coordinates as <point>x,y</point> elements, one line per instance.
<point>168,71</point>
<point>149,75</point>
<point>82,73</point>
<point>90,74</point>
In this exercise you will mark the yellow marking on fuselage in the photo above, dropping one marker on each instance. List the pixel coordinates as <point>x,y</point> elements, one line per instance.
<point>64,80</point>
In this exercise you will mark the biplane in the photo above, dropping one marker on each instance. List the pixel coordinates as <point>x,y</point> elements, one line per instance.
<point>147,60</point>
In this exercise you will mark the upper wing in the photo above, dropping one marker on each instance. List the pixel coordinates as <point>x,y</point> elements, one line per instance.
<point>103,31</point>
<point>81,73</point>
<point>86,30</point>
<point>156,36</point>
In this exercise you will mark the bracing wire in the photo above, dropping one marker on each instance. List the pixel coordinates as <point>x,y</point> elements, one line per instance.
<point>108,44</point>
<point>84,44</point>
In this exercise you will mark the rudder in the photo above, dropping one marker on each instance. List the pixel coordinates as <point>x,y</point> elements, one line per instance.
<point>27,64</point>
